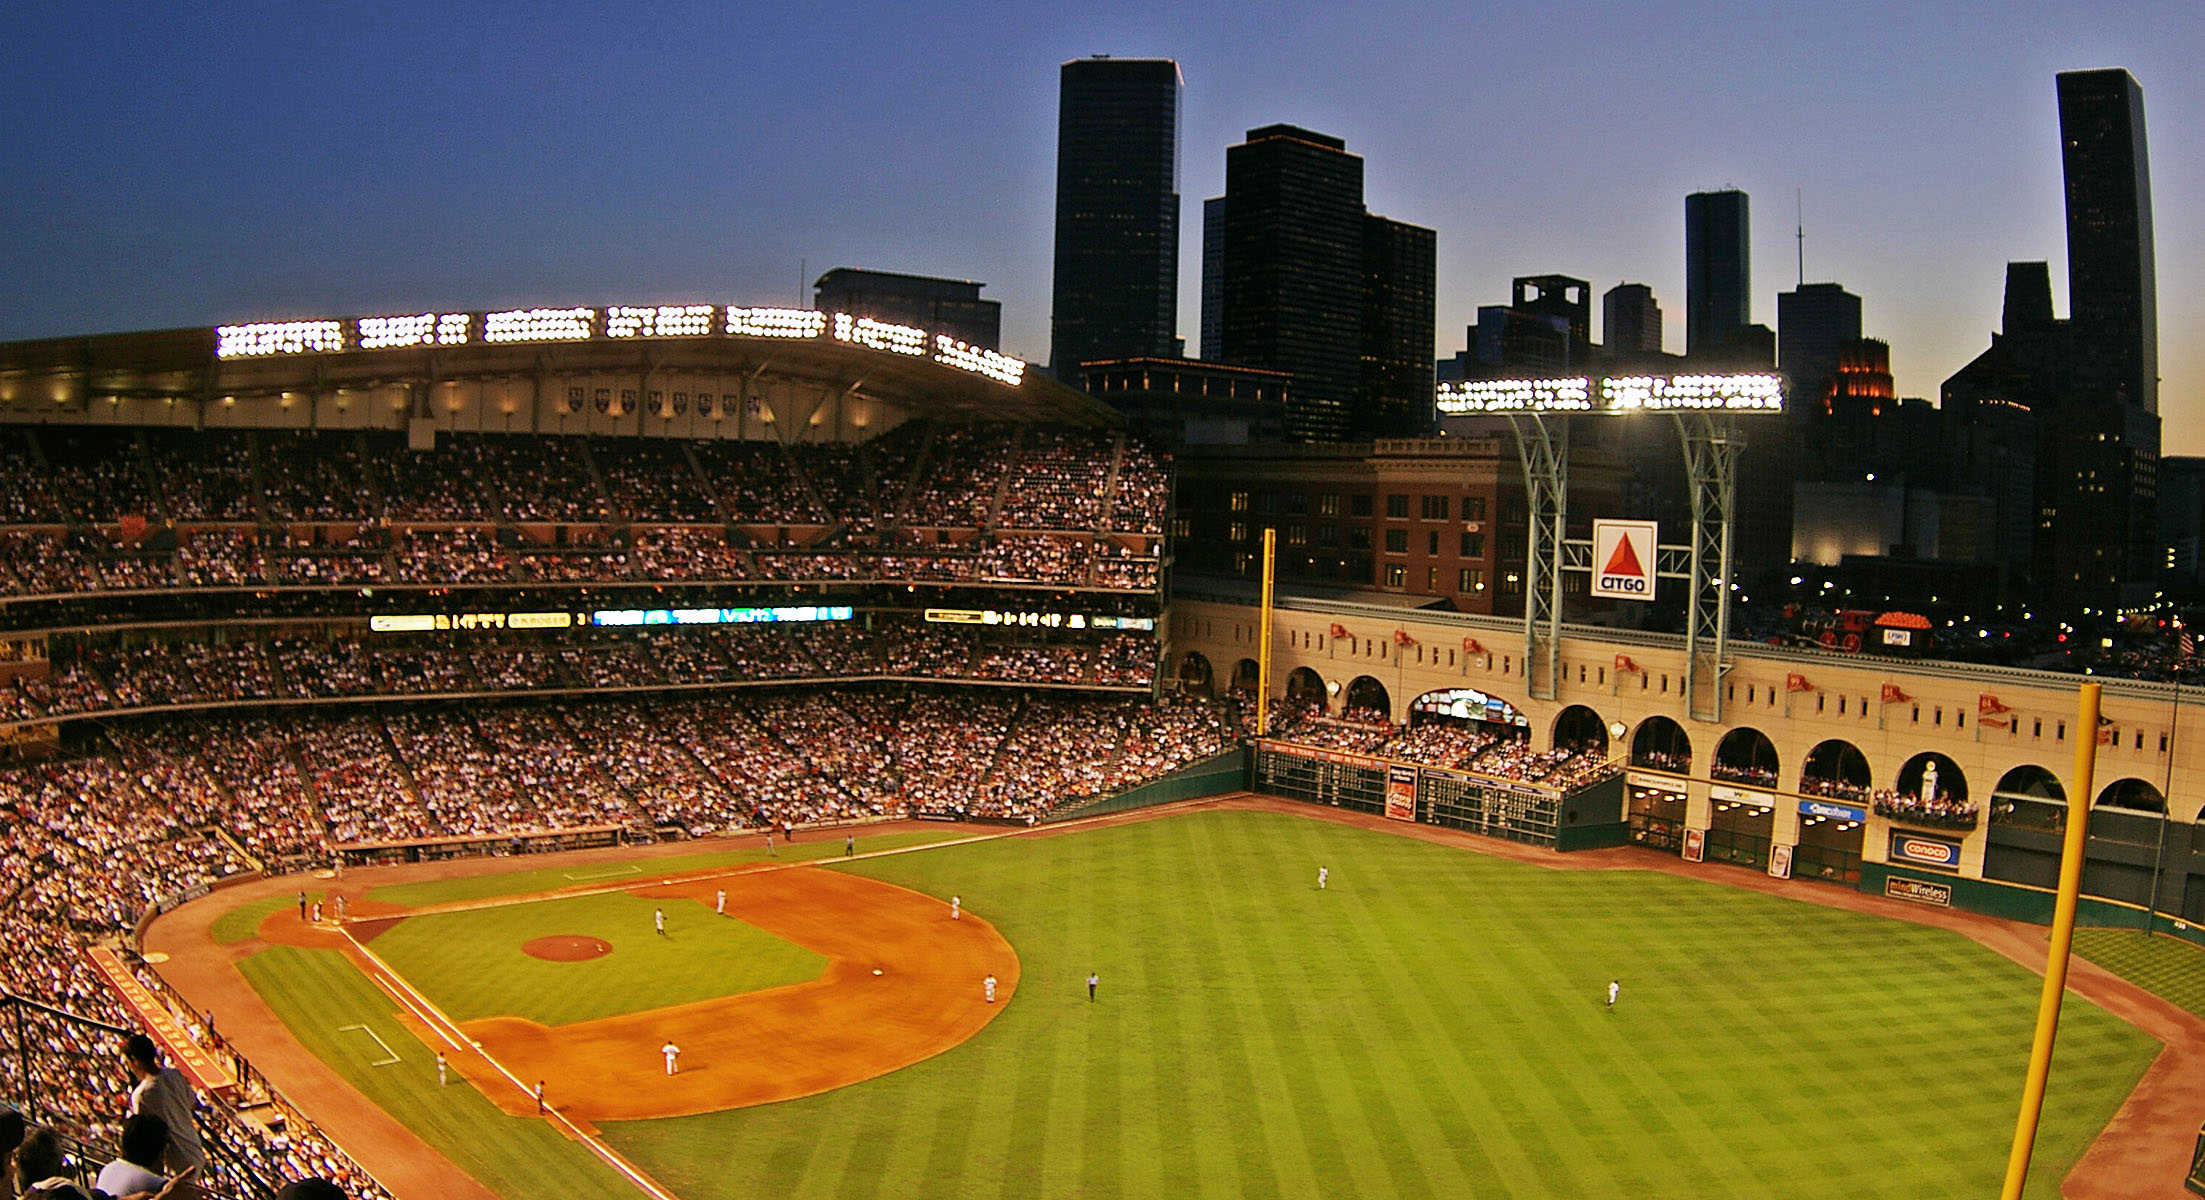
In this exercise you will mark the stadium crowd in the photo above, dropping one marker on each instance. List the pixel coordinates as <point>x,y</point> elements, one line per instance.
<point>100,510</point>
<point>1501,751</point>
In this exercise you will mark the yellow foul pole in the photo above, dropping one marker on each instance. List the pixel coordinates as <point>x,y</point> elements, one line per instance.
<point>2063,938</point>
<point>1263,638</point>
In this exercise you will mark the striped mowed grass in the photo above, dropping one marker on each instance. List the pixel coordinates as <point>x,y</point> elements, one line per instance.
<point>1431,1024</point>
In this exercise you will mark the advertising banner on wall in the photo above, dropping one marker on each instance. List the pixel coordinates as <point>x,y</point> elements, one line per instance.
<point>1695,845</point>
<point>1623,559</point>
<point>1400,792</point>
<point>1780,861</point>
<point>1925,851</point>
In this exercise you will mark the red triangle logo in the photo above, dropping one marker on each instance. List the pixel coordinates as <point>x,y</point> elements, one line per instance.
<point>1624,561</point>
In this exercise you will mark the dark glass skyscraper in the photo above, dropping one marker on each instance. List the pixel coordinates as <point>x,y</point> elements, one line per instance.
<point>1312,284</point>
<point>1116,286</point>
<point>1293,290</point>
<point>1630,321</point>
<point>1718,270</point>
<point>2112,296</point>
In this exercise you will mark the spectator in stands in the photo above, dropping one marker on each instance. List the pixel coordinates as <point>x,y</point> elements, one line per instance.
<point>310,1189</point>
<point>38,1168</point>
<point>11,1136</point>
<point>135,1171</point>
<point>164,1092</point>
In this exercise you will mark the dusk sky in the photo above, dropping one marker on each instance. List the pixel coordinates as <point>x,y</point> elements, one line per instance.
<point>175,165</point>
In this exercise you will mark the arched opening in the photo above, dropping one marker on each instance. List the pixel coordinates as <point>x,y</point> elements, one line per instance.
<point>1580,729</point>
<point>1662,745</point>
<point>1836,769</point>
<point>1305,689</point>
<point>1194,674</point>
<point>2030,797</point>
<point>1656,804</point>
<point>1931,792</point>
<point>1745,755</point>
<point>2132,794</point>
<point>1246,674</point>
<point>1367,701</point>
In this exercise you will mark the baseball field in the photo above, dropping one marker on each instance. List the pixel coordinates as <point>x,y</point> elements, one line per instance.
<point>1434,1022</point>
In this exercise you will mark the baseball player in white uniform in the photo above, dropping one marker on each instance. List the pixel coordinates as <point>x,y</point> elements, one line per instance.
<point>672,1052</point>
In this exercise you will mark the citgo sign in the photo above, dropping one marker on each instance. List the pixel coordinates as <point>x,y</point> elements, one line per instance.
<point>1623,559</point>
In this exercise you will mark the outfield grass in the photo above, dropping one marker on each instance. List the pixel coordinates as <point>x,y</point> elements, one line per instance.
<point>815,845</point>
<point>2167,967</point>
<point>471,965</point>
<point>243,922</point>
<point>317,992</point>
<point>1432,1025</point>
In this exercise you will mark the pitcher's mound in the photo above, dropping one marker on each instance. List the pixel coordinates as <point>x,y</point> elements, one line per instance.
<point>567,947</point>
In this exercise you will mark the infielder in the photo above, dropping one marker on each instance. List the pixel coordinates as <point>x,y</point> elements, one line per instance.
<point>672,1052</point>
<point>954,903</point>
<point>719,902</point>
<point>987,986</point>
<point>658,921</point>
<point>440,1068</point>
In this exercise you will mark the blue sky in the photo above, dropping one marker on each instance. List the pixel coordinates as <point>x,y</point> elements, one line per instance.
<point>167,165</point>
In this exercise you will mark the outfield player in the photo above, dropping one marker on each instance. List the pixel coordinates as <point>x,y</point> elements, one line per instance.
<point>1615,988</point>
<point>1093,981</point>
<point>658,921</point>
<point>672,1052</point>
<point>1323,874</point>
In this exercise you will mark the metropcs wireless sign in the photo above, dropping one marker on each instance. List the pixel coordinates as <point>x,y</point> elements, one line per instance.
<point>1623,559</point>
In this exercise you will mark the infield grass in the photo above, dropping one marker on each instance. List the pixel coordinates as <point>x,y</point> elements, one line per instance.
<point>471,964</point>
<point>318,992</point>
<point>243,922</point>
<point>816,844</point>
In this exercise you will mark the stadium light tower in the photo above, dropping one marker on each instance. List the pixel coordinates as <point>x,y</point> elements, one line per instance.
<point>1705,409</point>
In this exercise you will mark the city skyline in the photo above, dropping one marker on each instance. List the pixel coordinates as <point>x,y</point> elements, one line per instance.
<point>257,164</point>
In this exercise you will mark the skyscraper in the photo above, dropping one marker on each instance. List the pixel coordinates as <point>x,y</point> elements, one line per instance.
<point>1630,321</point>
<point>2112,295</point>
<point>1312,284</point>
<point>1718,270</point>
<point>1116,287</point>
<point>1213,279</point>
<point>1812,323</point>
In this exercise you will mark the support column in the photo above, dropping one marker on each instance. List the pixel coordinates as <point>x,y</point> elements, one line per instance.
<point>1543,446</point>
<point>1711,446</point>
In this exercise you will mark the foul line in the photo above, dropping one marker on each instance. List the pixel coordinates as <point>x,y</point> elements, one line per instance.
<point>378,1041</point>
<point>590,876</point>
<point>444,1027</point>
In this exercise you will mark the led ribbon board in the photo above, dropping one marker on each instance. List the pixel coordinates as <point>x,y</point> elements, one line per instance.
<point>1614,394</point>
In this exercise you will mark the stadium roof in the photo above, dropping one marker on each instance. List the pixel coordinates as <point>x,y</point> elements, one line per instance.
<point>926,375</point>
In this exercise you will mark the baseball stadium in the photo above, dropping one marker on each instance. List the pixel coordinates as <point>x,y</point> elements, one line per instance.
<point>702,751</point>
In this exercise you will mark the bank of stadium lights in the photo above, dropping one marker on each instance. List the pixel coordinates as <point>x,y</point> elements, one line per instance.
<point>539,325</point>
<point>278,337</point>
<point>1615,394</point>
<point>1002,368</point>
<point>775,322</point>
<point>401,331</point>
<point>666,320</point>
<point>879,335</point>
<point>420,329</point>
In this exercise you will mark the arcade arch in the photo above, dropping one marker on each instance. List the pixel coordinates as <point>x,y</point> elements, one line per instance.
<point>1366,693</point>
<point>1930,791</point>
<point>1662,745</point>
<point>1745,755</point>
<point>1307,688</point>
<point>1246,675</point>
<point>1836,769</point>
<point>1194,674</point>
<point>1579,727</point>
<point>2132,794</point>
<point>2030,797</point>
